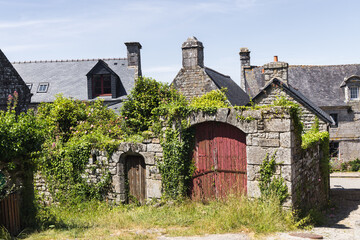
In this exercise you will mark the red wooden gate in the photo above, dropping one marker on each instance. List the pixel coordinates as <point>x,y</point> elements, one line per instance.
<point>220,160</point>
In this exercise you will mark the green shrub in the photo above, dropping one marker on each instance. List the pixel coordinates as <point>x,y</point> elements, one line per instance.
<point>140,108</point>
<point>74,128</point>
<point>210,101</point>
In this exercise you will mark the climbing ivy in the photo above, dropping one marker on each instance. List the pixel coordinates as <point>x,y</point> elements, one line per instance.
<point>269,184</point>
<point>74,128</point>
<point>177,167</point>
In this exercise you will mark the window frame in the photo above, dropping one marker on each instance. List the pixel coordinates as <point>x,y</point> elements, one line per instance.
<point>335,117</point>
<point>29,85</point>
<point>40,87</point>
<point>102,87</point>
<point>351,91</point>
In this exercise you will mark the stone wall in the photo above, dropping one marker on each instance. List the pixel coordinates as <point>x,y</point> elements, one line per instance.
<point>99,165</point>
<point>268,131</point>
<point>310,186</point>
<point>307,117</point>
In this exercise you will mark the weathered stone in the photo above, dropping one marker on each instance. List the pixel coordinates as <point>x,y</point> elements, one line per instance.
<point>277,125</point>
<point>221,114</point>
<point>272,135</point>
<point>253,190</point>
<point>153,188</point>
<point>253,172</point>
<point>154,148</point>
<point>269,142</point>
<point>149,157</point>
<point>286,140</point>
<point>132,147</point>
<point>255,154</point>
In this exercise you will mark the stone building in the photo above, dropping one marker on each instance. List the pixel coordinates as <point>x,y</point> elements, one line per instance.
<point>87,79</point>
<point>11,81</point>
<point>194,79</point>
<point>334,88</point>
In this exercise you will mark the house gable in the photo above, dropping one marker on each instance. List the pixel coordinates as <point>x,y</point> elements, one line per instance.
<point>276,88</point>
<point>10,81</point>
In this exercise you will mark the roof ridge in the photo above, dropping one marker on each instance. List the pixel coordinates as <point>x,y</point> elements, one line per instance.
<point>217,72</point>
<point>330,65</point>
<point>68,60</point>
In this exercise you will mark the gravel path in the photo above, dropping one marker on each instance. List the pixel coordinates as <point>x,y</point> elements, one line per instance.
<point>343,221</point>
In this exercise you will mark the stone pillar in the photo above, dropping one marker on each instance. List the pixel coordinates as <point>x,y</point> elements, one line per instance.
<point>192,53</point>
<point>277,70</point>
<point>133,55</point>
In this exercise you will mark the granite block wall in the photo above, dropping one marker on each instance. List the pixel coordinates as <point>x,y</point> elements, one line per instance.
<point>100,164</point>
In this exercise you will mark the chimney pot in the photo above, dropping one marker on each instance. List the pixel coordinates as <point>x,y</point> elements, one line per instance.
<point>275,58</point>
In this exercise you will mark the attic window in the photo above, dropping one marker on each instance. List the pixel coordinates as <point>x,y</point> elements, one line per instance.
<point>29,85</point>
<point>43,87</point>
<point>102,85</point>
<point>354,93</point>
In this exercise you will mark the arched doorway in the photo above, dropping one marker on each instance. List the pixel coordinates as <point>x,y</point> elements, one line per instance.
<point>220,161</point>
<point>135,176</point>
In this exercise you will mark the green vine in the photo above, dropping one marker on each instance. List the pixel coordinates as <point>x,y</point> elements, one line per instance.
<point>269,184</point>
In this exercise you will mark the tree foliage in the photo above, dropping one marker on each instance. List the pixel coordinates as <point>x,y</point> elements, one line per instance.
<point>21,136</point>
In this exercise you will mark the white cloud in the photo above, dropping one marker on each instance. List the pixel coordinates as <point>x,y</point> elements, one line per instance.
<point>20,24</point>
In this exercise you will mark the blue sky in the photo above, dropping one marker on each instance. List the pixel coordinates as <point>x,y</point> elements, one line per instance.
<point>305,32</point>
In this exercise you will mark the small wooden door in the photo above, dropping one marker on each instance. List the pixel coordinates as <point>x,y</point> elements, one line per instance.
<point>220,161</point>
<point>135,168</point>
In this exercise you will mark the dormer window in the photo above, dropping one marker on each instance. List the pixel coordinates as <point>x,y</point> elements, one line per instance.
<point>43,87</point>
<point>102,85</point>
<point>351,86</point>
<point>29,85</point>
<point>354,93</point>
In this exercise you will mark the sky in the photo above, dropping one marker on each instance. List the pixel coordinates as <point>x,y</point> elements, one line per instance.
<point>307,32</point>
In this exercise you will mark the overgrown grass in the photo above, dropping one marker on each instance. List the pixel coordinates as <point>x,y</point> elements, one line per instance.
<point>98,220</point>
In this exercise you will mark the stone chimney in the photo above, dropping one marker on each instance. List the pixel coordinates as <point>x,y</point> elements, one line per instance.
<point>133,55</point>
<point>277,70</point>
<point>244,63</point>
<point>192,53</point>
<point>244,57</point>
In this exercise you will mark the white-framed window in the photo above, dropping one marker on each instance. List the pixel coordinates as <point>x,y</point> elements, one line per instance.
<point>43,87</point>
<point>354,93</point>
<point>29,85</point>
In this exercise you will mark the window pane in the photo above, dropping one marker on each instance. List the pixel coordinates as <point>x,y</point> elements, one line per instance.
<point>354,93</point>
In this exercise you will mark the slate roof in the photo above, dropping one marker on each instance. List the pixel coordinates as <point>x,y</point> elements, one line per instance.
<point>320,84</point>
<point>69,77</point>
<point>235,94</point>
<point>297,95</point>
